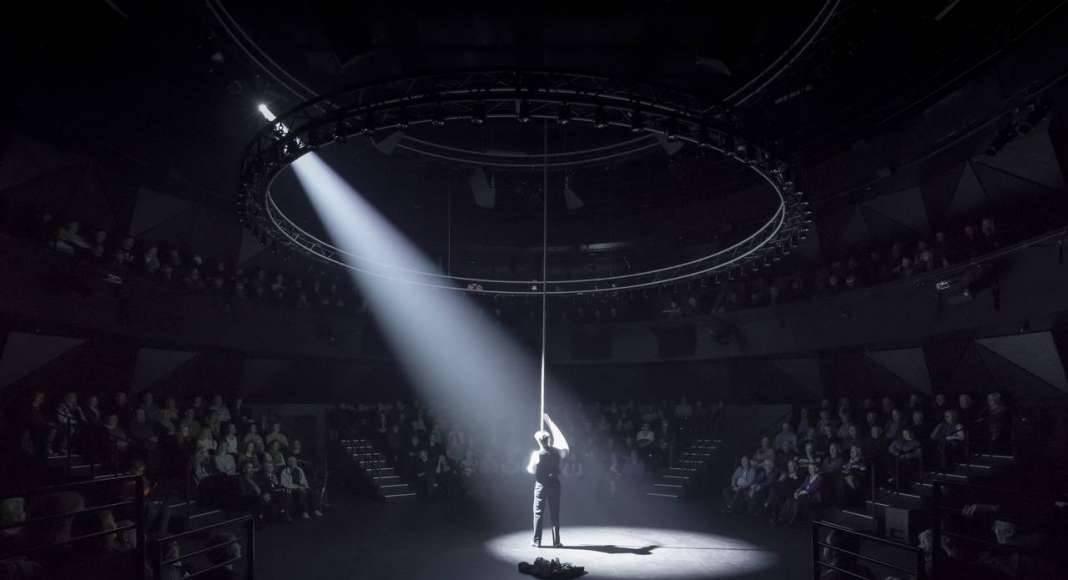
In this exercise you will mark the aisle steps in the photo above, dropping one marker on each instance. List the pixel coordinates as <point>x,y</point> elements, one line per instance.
<point>388,484</point>
<point>676,481</point>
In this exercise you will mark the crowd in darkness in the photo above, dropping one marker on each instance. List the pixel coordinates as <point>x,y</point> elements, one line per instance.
<point>175,266</point>
<point>836,454</point>
<point>833,454</point>
<point>615,444</point>
<point>206,451</point>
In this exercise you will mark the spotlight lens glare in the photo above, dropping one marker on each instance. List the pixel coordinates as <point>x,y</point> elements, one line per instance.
<point>267,114</point>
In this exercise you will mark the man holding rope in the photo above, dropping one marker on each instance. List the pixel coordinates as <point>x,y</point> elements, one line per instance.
<point>544,465</point>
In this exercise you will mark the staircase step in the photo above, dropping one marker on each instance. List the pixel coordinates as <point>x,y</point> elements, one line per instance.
<point>922,488</point>
<point>204,514</point>
<point>667,495</point>
<point>973,470</point>
<point>379,479</point>
<point>672,485</point>
<point>994,458</point>
<point>682,477</point>
<point>398,497</point>
<point>55,457</point>
<point>900,499</point>
<point>947,475</point>
<point>86,466</point>
<point>852,519</point>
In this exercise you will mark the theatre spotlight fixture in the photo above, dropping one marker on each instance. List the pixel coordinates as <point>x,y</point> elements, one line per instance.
<point>600,118</point>
<point>563,117</point>
<point>478,114</point>
<point>637,120</point>
<point>671,132</point>
<point>265,111</point>
<point>368,128</point>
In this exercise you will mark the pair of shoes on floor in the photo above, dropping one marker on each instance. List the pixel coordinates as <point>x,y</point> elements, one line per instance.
<point>318,513</point>
<point>305,516</point>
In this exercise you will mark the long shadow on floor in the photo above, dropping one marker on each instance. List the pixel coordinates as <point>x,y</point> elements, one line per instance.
<point>610,549</point>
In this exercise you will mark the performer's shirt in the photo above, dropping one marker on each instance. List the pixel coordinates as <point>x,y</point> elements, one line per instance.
<point>548,469</point>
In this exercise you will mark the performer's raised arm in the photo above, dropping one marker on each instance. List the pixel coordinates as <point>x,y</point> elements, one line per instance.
<point>559,442</point>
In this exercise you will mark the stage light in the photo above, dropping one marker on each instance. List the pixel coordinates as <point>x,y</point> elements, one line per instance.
<point>1031,115</point>
<point>704,137</point>
<point>438,118</point>
<point>341,132</point>
<point>563,117</point>
<point>637,120</point>
<point>623,552</point>
<point>478,115</point>
<point>740,150</point>
<point>523,111</point>
<point>266,112</point>
<point>368,124</point>
<point>672,130</point>
<point>600,118</point>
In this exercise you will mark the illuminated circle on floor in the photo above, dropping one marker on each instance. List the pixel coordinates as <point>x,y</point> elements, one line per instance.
<point>629,552</point>
<point>520,97</point>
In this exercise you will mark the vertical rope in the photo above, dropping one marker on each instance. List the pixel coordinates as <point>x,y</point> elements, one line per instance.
<point>544,261</point>
<point>448,231</point>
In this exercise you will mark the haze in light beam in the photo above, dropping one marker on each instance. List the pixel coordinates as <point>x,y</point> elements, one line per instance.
<point>463,364</point>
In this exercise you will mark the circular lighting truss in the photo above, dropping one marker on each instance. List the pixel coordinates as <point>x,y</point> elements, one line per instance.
<point>474,98</point>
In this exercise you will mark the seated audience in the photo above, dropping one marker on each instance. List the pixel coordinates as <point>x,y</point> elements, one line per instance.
<point>786,440</point>
<point>736,493</point>
<point>807,496</point>
<point>295,484</point>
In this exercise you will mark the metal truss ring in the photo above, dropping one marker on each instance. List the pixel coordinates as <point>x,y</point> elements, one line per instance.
<point>522,97</point>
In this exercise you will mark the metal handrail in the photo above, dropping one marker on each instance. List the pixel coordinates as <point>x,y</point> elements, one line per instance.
<point>249,554</point>
<point>202,529</point>
<point>833,567</point>
<point>63,515</point>
<point>66,486</point>
<point>138,501</point>
<point>866,536</point>
<point>72,540</point>
<point>216,566</point>
<point>919,572</point>
<point>863,557</point>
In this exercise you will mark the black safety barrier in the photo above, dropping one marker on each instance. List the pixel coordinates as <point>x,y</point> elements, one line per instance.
<point>918,570</point>
<point>138,502</point>
<point>248,554</point>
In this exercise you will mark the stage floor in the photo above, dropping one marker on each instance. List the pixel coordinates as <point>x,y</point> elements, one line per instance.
<point>622,538</point>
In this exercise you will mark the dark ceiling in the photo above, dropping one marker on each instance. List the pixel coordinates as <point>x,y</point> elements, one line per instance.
<point>168,88</point>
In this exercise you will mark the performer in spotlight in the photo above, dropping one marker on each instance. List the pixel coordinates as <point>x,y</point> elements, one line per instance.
<point>545,467</point>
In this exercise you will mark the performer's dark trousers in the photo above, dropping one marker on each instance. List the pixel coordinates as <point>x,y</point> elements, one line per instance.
<point>548,493</point>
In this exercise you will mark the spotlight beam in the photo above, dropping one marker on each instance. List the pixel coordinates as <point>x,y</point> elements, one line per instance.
<point>462,363</point>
